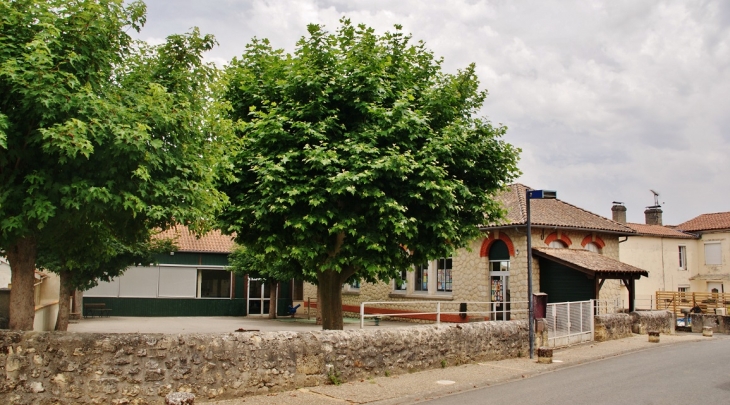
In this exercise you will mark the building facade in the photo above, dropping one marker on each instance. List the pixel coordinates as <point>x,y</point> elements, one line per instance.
<point>575,257</point>
<point>192,281</point>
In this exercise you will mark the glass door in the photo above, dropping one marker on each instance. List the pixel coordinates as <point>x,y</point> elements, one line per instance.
<point>500,294</point>
<point>259,297</point>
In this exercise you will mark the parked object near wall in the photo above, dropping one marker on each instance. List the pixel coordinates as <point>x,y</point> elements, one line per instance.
<point>114,368</point>
<point>659,321</point>
<point>612,326</point>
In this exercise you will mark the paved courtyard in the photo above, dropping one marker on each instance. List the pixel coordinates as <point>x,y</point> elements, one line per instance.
<point>210,324</point>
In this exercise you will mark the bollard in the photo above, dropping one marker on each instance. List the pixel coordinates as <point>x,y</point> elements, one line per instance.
<point>180,398</point>
<point>707,331</point>
<point>544,355</point>
<point>653,337</point>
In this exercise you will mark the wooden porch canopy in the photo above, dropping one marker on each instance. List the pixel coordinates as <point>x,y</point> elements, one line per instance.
<point>597,267</point>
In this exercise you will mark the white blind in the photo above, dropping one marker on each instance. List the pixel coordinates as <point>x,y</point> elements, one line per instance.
<point>104,289</point>
<point>713,253</point>
<point>139,282</point>
<point>178,281</point>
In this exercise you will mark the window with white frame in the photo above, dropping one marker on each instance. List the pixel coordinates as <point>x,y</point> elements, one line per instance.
<point>592,247</point>
<point>683,288</point>
<point>682,257</point>
<point>443,274</point>
<point>400,283</point>
<point>713,253</point>
<point>420,279</point>
<point>558,244</point>
<point>352,285</point>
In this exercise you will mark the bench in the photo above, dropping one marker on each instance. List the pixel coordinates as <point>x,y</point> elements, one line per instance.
<point>97,308</point>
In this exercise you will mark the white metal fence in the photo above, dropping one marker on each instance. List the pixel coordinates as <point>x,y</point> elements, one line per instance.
<point>569,323</point>
<point>433,310</point>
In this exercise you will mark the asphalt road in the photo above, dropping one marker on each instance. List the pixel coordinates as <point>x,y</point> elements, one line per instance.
<point>692,373</point>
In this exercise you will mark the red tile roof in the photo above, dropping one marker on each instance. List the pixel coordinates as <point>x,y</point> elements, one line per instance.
<point>552,213</point>
<point>186,241</point>
<point>707,222</point>
<point>589,262</point>
<point>659,230</point>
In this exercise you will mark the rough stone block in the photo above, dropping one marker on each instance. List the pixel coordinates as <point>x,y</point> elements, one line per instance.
<point>707,331</point>
<point>180,398</point>
<point>544,355</point>
<point>653,336</point>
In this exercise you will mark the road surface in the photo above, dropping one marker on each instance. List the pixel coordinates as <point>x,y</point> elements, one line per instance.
<point>692,373</point>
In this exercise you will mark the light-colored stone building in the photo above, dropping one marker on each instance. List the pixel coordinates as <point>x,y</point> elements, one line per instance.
<point>712,257</point>
<point>693,256</point>
<point>575,257</point>
<point>669,255</point>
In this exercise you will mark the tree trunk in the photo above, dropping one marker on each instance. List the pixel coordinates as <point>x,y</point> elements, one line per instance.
<point>64,301</point>
<point>274,299</point>
<point>330,299</point>
<point>21,257</point>
<point>77,304</point>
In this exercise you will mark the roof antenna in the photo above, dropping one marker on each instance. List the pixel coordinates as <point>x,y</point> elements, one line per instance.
<point>656,198</point>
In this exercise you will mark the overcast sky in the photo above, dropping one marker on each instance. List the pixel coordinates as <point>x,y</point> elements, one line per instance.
<point>606,99</point>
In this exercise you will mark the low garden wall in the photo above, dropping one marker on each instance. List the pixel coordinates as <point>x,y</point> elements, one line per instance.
<point>719,323</point>
<point>74,368</point>
<point>612,326</point>
<point>646,321</point>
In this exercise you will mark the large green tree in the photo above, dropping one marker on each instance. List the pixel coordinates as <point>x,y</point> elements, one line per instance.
<point>358,157</point>
<point>99,129</point>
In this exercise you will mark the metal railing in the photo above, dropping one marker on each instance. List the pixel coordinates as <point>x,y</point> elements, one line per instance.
<point>604,307</point>
<point>645,302</point>
<point>504,310</point>
<point>570,322</point>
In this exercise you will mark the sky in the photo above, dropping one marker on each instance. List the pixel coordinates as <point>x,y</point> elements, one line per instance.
<point>607,99</point>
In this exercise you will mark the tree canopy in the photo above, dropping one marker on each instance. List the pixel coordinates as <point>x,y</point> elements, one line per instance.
<point>99,129</point>
<point>358,157</point>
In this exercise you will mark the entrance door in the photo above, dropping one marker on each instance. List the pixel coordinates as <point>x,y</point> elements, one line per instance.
<point>714,288</point>
<point>259,297</point>
<point>499,285</point>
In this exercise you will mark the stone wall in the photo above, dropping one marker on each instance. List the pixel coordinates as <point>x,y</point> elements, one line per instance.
<point>647,321</point>
<point>719,323</point>
<point>612,326</point>
<point>64,368</point>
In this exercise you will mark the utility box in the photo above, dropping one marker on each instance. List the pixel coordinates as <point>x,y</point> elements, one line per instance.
<point>539,303</point>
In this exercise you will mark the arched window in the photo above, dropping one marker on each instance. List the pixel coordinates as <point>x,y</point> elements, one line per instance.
<point>558,244</point>
<point>592,247</point>
<point>499,279</point>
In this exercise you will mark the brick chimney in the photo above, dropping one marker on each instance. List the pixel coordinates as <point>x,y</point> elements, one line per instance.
<point>619,212</point>
<point>653,215</point>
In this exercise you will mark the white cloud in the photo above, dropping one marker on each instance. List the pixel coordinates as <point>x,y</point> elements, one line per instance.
<point>607,99</point>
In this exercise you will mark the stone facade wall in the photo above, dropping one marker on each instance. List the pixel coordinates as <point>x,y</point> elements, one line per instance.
<point>719,323</point>
<point>471,282</point>
<point>612,326</point>
<point>647,321</point>
<point>64,368</point>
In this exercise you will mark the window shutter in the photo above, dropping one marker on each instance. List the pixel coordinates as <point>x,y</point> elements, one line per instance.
<point>713,253</point>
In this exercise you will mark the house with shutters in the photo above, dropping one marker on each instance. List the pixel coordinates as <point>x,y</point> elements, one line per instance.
<point>575,257</point>
<point>191,281</point>
<point>693,256</point>
<point>712,247</point>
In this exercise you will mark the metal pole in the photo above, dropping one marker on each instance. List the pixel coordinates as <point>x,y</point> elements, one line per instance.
<point>362,315</point>
<point>530,304</point>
